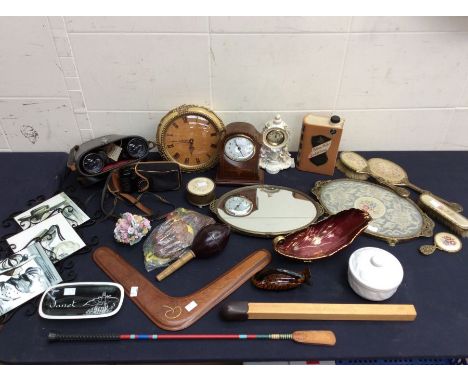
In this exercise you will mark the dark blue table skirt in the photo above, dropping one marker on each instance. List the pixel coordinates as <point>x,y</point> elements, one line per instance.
<point>436,285</point>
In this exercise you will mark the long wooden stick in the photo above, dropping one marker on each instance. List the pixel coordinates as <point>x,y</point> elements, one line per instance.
<point>307,311</point>
<point>312,337</point>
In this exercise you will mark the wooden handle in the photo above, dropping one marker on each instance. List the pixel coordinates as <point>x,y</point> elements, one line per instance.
<point>307,311</point>
<point>185,258</point>
<point>315,337</point>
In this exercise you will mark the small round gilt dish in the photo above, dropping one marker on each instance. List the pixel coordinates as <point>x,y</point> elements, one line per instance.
<point>394,218</point>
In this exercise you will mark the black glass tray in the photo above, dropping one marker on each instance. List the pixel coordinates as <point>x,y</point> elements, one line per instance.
<point>81,300</point>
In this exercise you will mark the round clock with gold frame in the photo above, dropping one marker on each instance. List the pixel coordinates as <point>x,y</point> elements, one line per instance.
<point>190,135</point>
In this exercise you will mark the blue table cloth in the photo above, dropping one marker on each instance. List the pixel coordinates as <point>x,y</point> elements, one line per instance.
<point>436,285</point>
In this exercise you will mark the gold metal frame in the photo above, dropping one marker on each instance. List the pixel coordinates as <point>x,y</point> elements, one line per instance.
<point>215,203</point>
<point>427,227</point>
<point>238,216</point>
<point>270,145</point>
<point>178,112</point>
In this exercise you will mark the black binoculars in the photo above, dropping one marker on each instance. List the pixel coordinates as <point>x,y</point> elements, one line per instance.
<point>106,153</point>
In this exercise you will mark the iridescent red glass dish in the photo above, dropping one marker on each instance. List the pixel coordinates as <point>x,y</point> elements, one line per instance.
<point>324,238</point>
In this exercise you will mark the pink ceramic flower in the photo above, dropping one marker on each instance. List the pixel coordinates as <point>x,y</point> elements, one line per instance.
<point>130,229</point>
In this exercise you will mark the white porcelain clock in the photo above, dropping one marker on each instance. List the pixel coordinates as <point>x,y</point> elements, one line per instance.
<point>274,154</point>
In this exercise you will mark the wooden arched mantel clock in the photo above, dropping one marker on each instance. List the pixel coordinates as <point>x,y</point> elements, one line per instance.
<point>240,155</point>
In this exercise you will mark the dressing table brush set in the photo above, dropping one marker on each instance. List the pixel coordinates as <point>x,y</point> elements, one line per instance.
<point>371,198</point>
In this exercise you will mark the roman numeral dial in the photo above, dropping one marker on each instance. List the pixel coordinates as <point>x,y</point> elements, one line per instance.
<point>190,136</point>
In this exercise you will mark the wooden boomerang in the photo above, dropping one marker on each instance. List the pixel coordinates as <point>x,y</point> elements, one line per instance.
<point>177,313</point>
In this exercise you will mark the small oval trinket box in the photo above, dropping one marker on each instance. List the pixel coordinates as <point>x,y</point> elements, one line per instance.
<point>374,273</point>
<point>200,191</point>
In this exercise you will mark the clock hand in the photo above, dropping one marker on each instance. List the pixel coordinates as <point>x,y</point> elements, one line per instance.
<point>183,141</point>
<point>238,147</point>
<point>191,147</point>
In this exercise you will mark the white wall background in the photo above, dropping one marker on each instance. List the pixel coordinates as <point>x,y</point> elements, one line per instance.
<point>400,82</point>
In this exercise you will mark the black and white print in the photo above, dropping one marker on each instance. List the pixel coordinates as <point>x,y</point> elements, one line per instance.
<point>58,204</point>
<point>30,277</point>
<point>55,235</point>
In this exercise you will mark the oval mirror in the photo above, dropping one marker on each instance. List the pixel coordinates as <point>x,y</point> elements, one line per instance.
<point>265,210</point>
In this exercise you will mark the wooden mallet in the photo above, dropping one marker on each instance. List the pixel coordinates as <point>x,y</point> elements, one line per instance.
<point>209,241</point>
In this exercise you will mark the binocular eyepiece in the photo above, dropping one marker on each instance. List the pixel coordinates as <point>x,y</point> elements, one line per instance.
<point>93,162</point>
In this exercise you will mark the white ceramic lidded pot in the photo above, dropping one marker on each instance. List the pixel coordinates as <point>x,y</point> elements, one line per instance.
<point>374,274</point>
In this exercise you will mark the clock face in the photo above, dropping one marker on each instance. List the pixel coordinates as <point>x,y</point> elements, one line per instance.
<point>239,148</point>
<point>275,137</point>
<point>192,140</point>
<point>190,135</point>
<point>238,206</point>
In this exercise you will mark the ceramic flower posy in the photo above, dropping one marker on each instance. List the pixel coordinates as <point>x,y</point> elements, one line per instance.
<point>130,229</point>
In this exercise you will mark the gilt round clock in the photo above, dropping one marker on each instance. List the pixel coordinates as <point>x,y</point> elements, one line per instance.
<point>190,135</point>
<point>275,138</point>
<point>238,206</point>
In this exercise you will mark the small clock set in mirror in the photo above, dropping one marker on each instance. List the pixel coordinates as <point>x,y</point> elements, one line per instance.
<point>196,138</point>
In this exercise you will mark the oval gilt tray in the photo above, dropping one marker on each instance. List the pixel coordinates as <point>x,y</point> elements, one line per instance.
<point>393,218</point>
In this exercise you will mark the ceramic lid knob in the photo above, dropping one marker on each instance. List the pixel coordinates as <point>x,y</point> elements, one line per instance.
<point>379,261</point>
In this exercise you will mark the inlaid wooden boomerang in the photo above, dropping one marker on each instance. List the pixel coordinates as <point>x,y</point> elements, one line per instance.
<point>177,313</point>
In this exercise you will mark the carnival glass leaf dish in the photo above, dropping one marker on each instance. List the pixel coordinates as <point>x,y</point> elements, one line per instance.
<point>324,238</point>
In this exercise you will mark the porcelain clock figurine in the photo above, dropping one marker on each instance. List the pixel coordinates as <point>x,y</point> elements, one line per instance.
<point>274,155</point>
